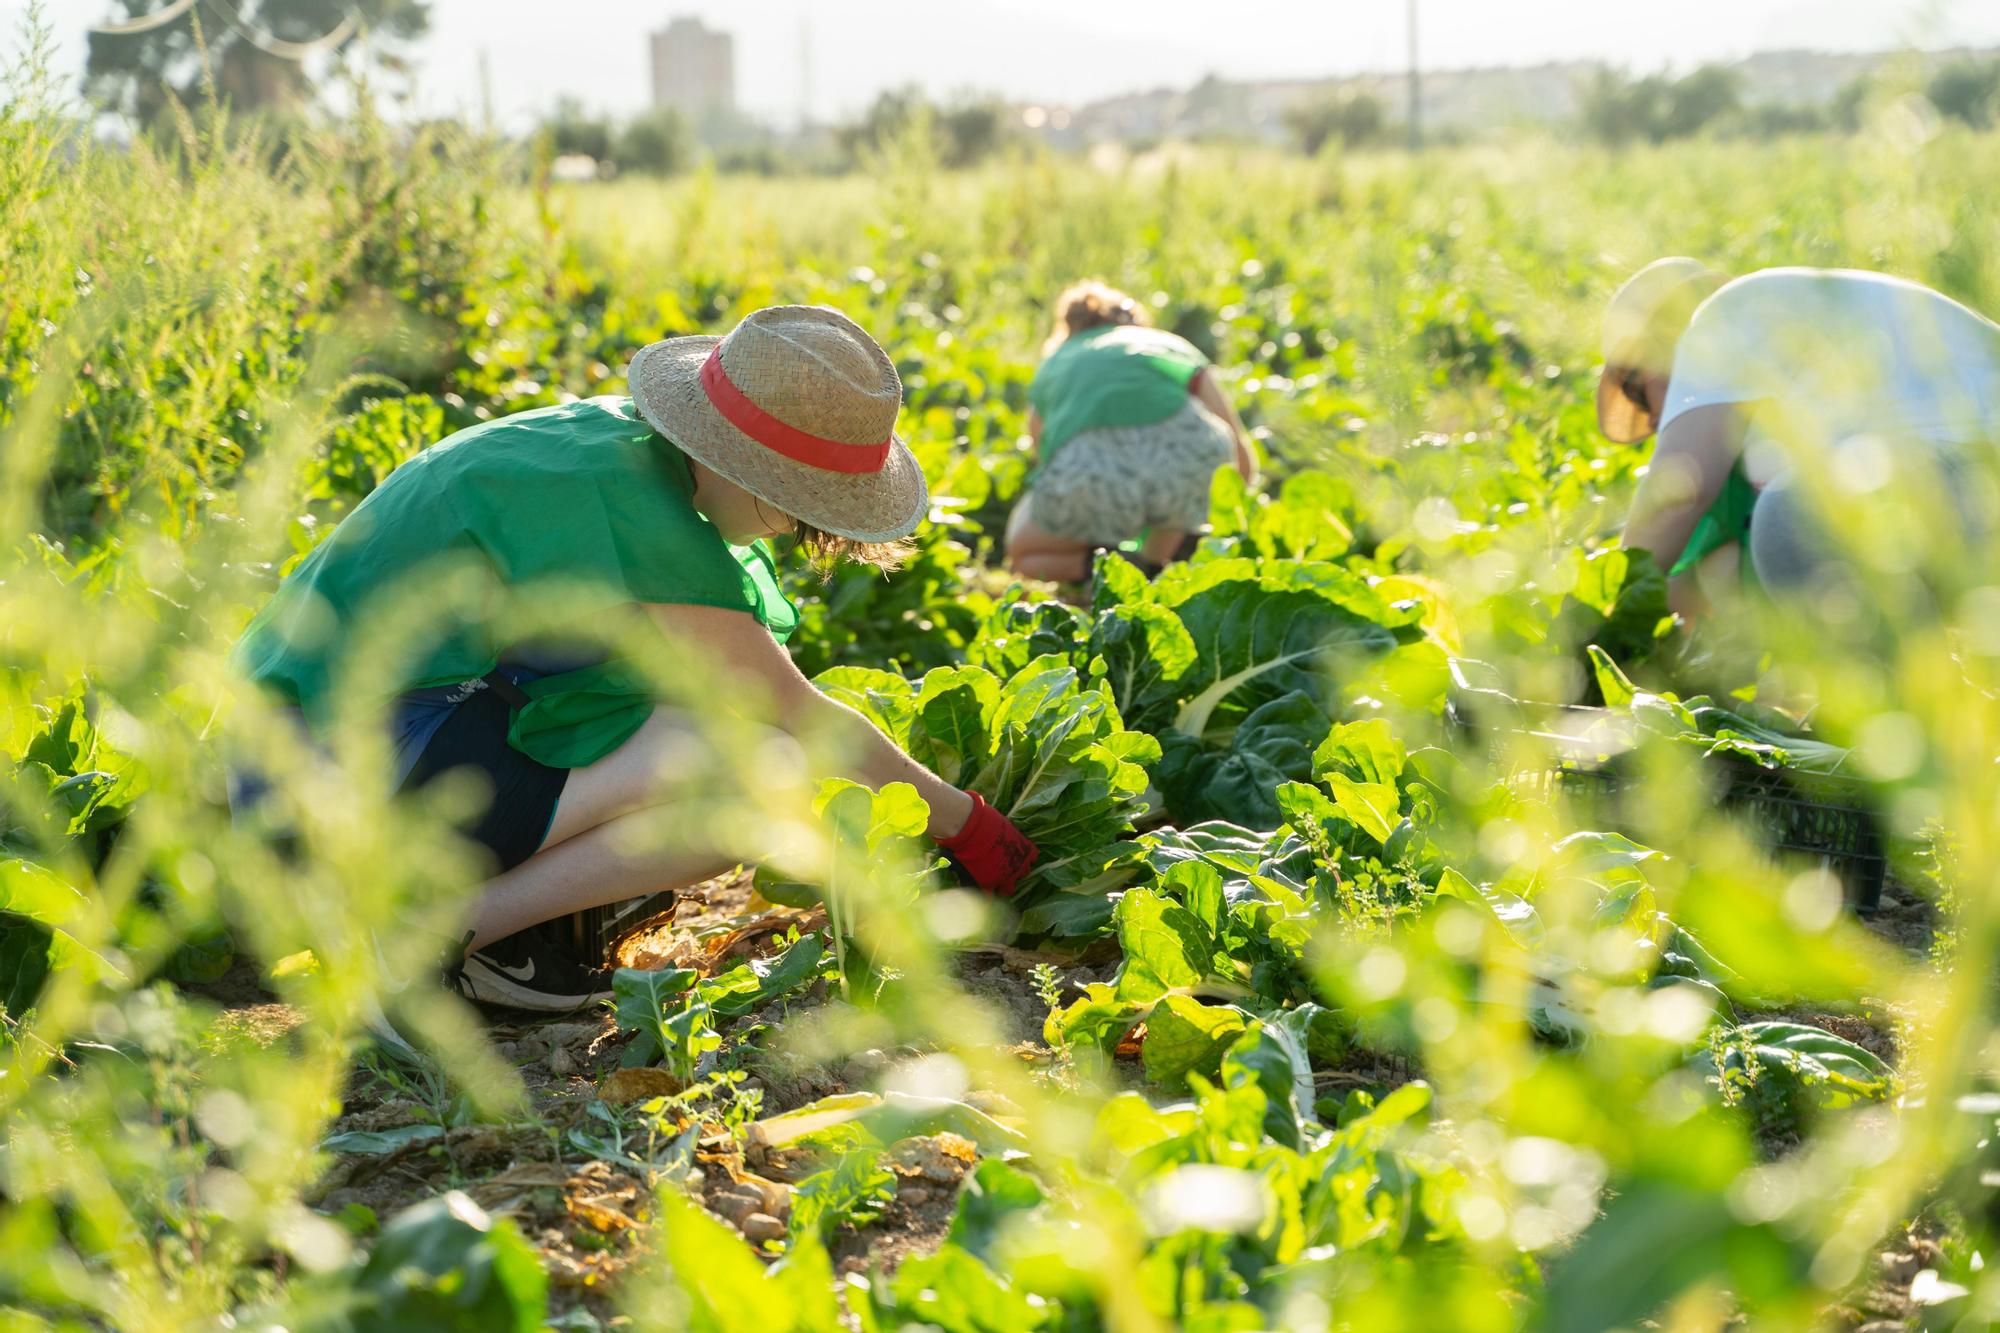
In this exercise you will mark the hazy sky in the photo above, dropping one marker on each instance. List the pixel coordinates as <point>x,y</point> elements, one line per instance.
<point>1074,50</point>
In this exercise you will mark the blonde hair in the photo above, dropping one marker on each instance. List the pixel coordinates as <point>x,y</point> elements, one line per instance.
<point>1091,305</point>
<point>826,552</point>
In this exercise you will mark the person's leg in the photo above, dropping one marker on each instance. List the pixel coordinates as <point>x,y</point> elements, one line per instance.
<point>1036,553</point>
<point>595,851</point>
<point>565,843</point>
<point>1176,462</point>
<point>631,777</point>
<point>1085,500</point>
<point>608,863</point>
<point>1163,546</point>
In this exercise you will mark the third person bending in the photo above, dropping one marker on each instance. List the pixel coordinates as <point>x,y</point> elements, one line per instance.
<point>1129,426</point>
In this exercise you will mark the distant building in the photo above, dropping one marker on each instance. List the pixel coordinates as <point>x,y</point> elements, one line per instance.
<point>694,69</point>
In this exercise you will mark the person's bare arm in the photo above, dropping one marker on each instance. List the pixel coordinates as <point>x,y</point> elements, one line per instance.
<point>1210,395</point>
<point>1690,464</point>
<point>1034,434</point>
<point>738,648</point>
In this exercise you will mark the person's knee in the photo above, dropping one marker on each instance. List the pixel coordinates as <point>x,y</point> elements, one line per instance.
<point>1032,551</point>
<point>651,768</point>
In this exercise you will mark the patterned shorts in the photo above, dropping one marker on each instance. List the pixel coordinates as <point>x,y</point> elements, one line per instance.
<point>1108,485</point>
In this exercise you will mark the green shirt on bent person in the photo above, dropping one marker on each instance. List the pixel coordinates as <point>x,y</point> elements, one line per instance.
<point>1115,375</point>
<point>1726,521</point>
<point>586,500</point>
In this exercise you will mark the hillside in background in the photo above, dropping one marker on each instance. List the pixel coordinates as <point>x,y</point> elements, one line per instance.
<point>1460,101</point>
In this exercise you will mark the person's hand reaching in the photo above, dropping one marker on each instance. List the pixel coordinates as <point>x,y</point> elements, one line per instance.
<point>990,850</point>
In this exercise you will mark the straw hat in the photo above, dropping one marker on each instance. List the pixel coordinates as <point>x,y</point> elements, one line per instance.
<point>797,406</point>
<point>1642,325</point>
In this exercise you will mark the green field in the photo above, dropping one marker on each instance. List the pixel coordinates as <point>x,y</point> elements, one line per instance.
<point>1319,1012</point>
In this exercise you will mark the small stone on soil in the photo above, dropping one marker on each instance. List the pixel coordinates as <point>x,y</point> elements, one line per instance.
<point>863,1066</point>
<point>737,1204</point>
<point>761,1226</point>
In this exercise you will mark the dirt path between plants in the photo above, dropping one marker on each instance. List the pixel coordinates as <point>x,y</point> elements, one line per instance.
<point>588,1212</point>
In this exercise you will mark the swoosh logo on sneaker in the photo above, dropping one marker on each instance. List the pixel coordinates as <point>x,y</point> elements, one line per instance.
<point>525,972</point>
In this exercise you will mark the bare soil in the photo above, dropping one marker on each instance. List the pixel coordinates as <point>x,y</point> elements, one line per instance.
<point>589,1217</point>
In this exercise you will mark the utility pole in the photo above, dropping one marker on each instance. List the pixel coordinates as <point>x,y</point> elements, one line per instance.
<point>487,120</point>
<point>1416,112</point>
<point>805,72</point>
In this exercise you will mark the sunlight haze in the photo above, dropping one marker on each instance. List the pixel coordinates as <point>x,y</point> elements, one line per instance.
<point>1059,51</point>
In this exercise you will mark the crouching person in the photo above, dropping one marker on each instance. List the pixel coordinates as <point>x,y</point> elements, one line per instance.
<point>662,504</point>
<point>1129,427</point>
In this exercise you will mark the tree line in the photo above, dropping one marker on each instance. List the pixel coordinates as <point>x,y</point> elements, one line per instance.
<point>1618,108</point>
<point>267,55</point>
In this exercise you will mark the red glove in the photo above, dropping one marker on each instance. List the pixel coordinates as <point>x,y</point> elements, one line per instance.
<point>990,850</point>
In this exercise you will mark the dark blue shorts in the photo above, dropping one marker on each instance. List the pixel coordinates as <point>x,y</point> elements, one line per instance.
<point>516,820</point>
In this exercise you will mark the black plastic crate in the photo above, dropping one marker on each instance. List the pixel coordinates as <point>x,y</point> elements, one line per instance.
<point>596,929</point>
<point>1827,817</point>
<point>1823,817</point>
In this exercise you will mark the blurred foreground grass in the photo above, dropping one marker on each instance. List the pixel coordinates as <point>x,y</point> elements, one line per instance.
<point>212,346</point>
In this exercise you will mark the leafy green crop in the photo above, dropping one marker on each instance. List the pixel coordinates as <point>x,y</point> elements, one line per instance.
<point>1424,1046</point>
<point>442,1264</point>
<point>1779,1062</point>
<point>673,1011</point>
<point>1711,729</point>
<point>1046,747</point>
<point>851,1191</point>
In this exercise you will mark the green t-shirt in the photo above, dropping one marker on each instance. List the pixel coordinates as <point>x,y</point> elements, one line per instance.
<point>1727,520</point>
<point>586,498</point>
<point>1117,375</point>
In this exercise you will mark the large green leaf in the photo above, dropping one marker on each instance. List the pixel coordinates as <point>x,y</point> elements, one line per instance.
<point>953,732</point>
<point>1185,1036</point>
<point>1244,856</point>
<point>1238,780</point>
<point>1365,751</point>
<point>1273,1058</point>
<point>1515,914</point>
<point>1073,892</point>
<point>1833,1070</point>
<point>1255,642</point>
<point>1045,747</point>
<point>642,1002</point>
<point>39,911</point>
<point>883,697</point>
<point>1142,644</point>
<point>872,819</point>
<point>1374,808</point>
<point>993,1194</point>
<point>444,1264</point>
<point>1017,632</point>
<point>1171,946</point>
<point>1145,650</point>
<point>1166,946</point>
